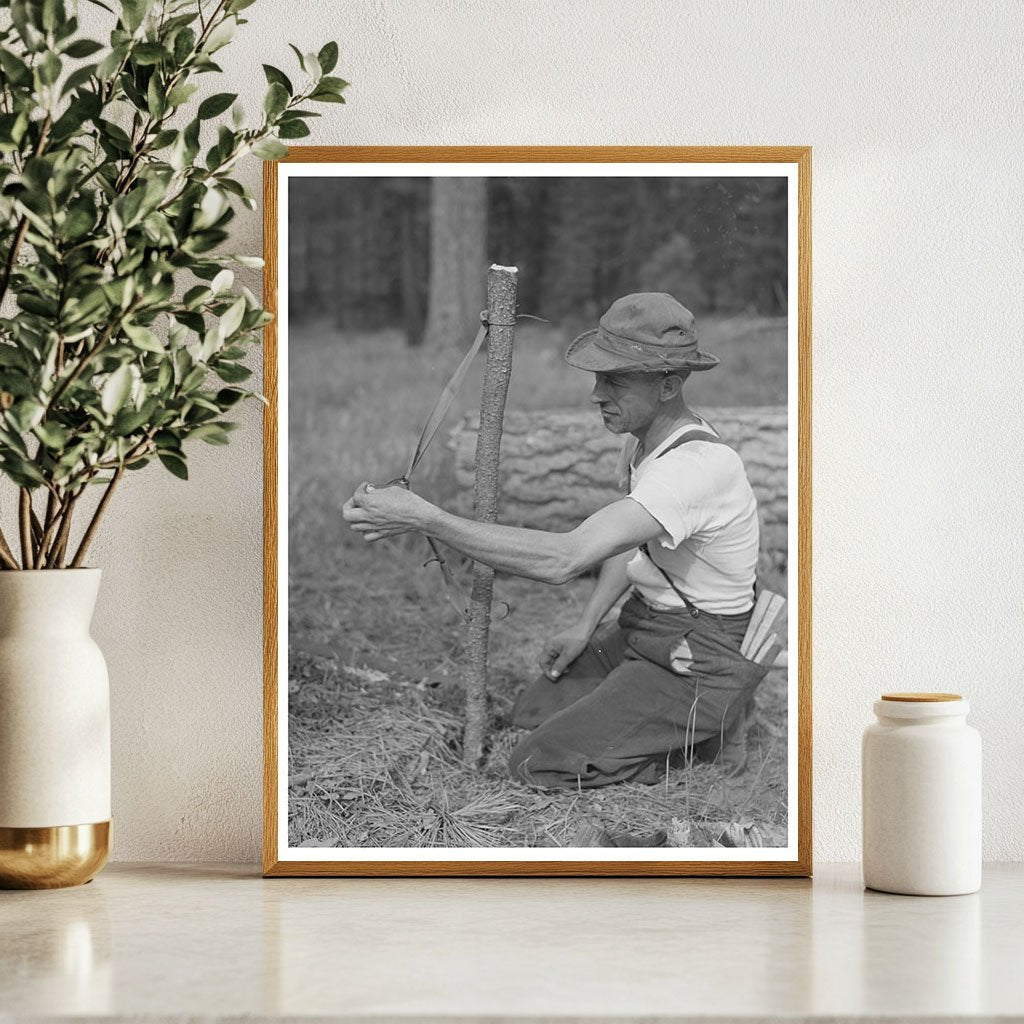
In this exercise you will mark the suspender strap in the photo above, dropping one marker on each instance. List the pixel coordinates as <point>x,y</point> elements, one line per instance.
<point>696,435</point>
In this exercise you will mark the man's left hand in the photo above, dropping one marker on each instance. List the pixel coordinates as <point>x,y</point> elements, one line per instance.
<point>378,512</point>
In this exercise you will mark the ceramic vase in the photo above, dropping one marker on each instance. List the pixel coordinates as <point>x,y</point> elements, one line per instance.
<point>54,731</point>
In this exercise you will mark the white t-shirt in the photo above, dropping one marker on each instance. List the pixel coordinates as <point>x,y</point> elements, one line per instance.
<point>700,494</point>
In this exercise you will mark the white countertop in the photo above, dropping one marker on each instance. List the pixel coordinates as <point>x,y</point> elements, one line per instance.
<point>176,941</point>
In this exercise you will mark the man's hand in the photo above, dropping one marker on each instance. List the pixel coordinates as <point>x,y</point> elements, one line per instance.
<point>378,512</point>
<point>562,650</point>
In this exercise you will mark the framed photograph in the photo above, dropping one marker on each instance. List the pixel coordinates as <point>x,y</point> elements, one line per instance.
<point>538,511</point>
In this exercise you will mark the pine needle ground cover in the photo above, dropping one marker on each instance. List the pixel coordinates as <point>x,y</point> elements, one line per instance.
<point>375,697</point>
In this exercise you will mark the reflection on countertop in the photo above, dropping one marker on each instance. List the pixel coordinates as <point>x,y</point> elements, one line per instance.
<point>181,940</point>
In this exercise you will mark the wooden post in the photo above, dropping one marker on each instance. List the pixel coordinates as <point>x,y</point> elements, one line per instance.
<point>501,312</point>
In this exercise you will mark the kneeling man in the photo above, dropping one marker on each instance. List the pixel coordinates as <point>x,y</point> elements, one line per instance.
<point>615,702</point>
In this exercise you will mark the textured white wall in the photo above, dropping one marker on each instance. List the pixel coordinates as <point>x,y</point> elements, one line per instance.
<point>914,113</point>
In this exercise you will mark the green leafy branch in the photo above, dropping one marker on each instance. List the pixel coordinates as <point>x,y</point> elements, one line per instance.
<point>116,192</point>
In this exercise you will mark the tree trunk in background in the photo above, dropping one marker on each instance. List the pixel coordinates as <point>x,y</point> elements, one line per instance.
<point>412,301</point>
<point>458,243</point>
<point>569,287</point>
<point>303,276</point>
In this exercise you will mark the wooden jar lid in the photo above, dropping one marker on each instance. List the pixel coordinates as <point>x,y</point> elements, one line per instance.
<point>921,698</point>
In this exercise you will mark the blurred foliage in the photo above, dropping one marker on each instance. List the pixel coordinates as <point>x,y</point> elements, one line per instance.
<point>129,333</point>
<point>359,249</point>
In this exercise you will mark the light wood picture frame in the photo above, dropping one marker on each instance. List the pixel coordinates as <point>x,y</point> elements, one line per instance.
<point>315,765</point>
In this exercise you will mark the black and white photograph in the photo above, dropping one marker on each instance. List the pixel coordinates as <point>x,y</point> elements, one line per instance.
<point>536,526</point>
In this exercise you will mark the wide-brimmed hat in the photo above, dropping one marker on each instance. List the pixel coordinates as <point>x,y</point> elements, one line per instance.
<point>644,331</point>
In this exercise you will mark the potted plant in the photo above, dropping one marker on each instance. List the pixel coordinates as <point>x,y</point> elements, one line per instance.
<point>122,341</point>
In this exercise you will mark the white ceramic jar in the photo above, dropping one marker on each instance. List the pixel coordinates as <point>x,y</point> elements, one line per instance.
<point>921,778</point>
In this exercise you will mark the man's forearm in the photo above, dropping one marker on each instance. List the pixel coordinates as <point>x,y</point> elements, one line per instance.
<point>542,555</point>
<point>611,585</point>
<point>536,554</point>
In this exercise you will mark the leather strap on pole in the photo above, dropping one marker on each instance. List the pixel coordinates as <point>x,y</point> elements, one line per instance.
<point>456,595</point>
<point>445,399</point>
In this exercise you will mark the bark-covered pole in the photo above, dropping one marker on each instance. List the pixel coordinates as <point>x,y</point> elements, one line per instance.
<point>501,312</point>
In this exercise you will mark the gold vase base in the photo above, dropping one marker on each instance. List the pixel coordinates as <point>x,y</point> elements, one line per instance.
<point>52,857</point>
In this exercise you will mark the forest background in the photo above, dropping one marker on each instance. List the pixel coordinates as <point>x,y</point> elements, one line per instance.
<point>412,253</point>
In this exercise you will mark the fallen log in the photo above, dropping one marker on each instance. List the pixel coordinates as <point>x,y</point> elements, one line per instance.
<point>558,467</point>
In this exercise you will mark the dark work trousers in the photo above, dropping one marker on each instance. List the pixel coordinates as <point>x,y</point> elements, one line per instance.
<point>653,685</point>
